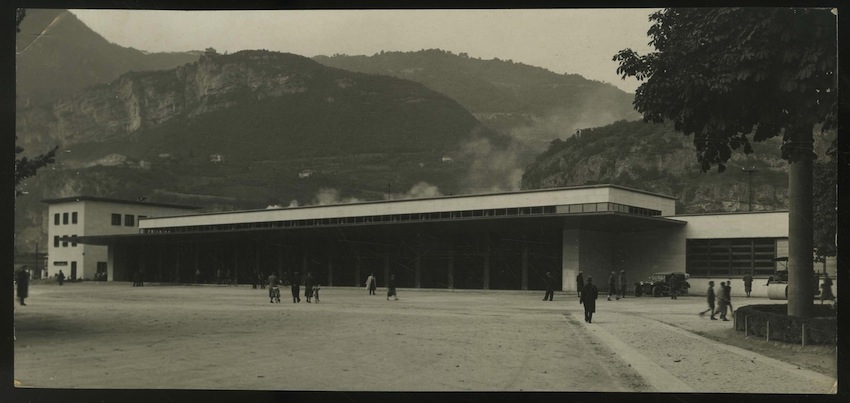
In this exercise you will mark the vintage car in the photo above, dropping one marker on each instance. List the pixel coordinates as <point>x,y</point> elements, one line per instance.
<point>658,284</point>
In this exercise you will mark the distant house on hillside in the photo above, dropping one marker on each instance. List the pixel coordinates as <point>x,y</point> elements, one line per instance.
<point>305,173</point>
<point>216,158</point>
<point>144,164</point>
<point>446,158</point>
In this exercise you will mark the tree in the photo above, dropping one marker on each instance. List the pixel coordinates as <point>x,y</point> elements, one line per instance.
<point>27,167</point>
<point>727,75</point>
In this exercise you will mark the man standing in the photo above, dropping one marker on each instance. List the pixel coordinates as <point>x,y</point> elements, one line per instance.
<point>391,288</point>
<point>710,299</point>
<point>588,299</point>
<point>748,284</point>
<point>23,284</point>
<point>674,286</point>
<point>550,287</point>
<point>60,277</point>
<point>622,280</point>
<point>370,283</point>
<point>579,284</point>
<point>295,289</point>
<point>722,301</point>
<point>612,286</point>
<point>274,288</point>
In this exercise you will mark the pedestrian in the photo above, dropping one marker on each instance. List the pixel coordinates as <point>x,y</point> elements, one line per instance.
<point>296,289</point>
<point>141,278</point>
<point>218,276</point>
<point>316,292</point>
<point>137,278</point>
<point>197,276</point>
<point>263,283</point>
<point>612,286</point>
<point>579,284</point>
<point>674,286</point>
<point>308,286</point>
<point>391,288</point>
<point>622,281</point>
<point>722,301</point>
<point>550,286</point>
<point>370,283</point>
<point>826,289</point>
<point>710,299</point>
<point>61,277</point>
<point>588,299</point>
<point>748,284</point>
<point>729,295</point>
<point>274,288</point>
<point>256,283</point>
<point>23,284</point>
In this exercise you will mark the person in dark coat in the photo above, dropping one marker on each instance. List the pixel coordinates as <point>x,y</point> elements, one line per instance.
<point>23,284</point>
<point>60,277</point>
<point>550,286</point>
<point>826,289</point>
<point>674,286</point>
<point>579,284</point>
<point>612,286</point>
<point>137,278</point>
<point>710,299</point>
<point>371,283</point>
<point>622,280</point>
<point>296,289</point>
<point>748,284</point>
<point>274,288</point>
<point>391,288</point>
<point>308,286</point>
<point>588,299</point>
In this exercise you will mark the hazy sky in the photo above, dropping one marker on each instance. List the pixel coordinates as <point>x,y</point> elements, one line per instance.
<point>579,41</point>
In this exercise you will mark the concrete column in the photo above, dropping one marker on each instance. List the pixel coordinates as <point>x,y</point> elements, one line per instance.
<point>387,270</point>
<point>159,269</point>
<point>357,274</point>
<point>525,265</point>
<point>486,276</point>
<point>570,262</point>
<point>451,280</point>
<point>800,241</point>
<point>330,269</point>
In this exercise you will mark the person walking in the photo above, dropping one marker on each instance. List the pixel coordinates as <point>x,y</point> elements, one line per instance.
<point>274,288</point>
<point>722,301</point>
<point>729,295</point>
<point>588,298</point>
<point>826,288</point>
<point>550,286</point>
<point>748,284</point>
<point>391,288</point>
<point>579,284</point>
<point>23,280</point>
<point>308,286</point>
<point>622,280</point>
<point>263,283</point>
<point>371,283</point>
<point>612,286</point>
<point>674,286</point>
<point>710,299</point>
<point>60,277</point>
<point>296,289</point>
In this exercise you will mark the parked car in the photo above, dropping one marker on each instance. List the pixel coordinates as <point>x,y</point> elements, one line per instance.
<point>658,284</point>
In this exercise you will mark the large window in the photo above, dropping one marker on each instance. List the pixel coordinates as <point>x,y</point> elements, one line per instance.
<point>74,217</point>
<point>129,220</point>
<point>56,219</point>
<point>116,219</point>
<point>731,257</point>
<point>64,218</point>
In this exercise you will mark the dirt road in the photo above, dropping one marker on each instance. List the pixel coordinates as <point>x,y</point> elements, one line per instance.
<point>99,335</point>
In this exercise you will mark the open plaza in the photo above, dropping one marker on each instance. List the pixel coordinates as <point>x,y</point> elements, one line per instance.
<point>110,335</point>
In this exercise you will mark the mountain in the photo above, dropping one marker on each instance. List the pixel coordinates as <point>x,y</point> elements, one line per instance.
<point>58,55</point>
<point>253,129</point>
<point>530,103</point>
<point>655,158</point>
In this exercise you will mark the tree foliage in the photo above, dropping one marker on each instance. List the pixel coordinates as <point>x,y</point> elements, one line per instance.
<point>729,75</point>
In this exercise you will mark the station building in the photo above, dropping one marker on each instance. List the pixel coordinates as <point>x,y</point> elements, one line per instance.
<point>487,241</point>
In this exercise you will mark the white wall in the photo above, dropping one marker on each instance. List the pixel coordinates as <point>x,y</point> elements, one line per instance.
<point>772,224</point>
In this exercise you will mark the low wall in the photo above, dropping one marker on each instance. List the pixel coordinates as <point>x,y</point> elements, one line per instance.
<point>699,286</point>
<point>772,323</point>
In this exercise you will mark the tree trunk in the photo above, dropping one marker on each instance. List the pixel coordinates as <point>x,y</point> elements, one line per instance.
<point>800,238</point>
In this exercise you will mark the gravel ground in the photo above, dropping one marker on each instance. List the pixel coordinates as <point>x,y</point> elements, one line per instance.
<point>112,335</point>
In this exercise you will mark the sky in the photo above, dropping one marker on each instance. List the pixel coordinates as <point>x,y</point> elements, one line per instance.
<point>572,41</point>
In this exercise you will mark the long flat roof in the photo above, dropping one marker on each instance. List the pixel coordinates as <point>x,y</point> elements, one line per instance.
<point>119,201</point>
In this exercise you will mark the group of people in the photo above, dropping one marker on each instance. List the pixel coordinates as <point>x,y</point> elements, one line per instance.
<point>723,298</point>
<point>372,286</point>
<point>311,287</point>
<point>616,285</point>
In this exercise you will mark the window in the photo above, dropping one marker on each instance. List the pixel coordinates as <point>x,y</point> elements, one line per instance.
<point>129,220</point>
<point>730,257</point>
<point>56,241</point>
<point>64,218</point>
<point>65,241</point>
<point>74,244</point>
<point>116,219</point>
<point>56,219</point>
<point>74,217</point>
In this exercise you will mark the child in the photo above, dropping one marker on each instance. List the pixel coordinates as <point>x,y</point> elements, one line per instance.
<point>316,292</point>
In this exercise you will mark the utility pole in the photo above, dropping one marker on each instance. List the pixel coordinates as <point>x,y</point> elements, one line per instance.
<point>750,172</point>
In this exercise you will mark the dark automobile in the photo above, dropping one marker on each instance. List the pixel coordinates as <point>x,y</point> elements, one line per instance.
<point>658,284</point>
